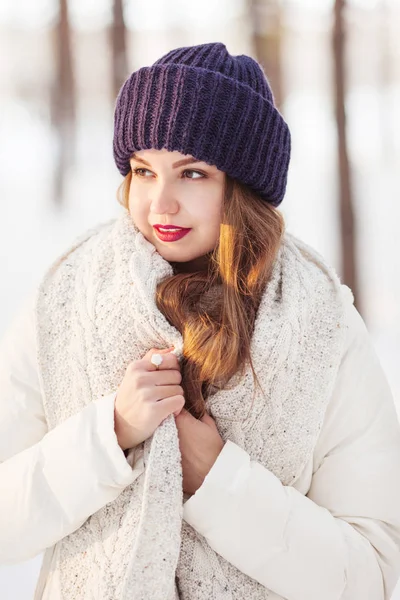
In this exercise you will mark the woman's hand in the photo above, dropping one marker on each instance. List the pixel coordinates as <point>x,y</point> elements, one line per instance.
<point>146,397</point>
<point>200,445</point>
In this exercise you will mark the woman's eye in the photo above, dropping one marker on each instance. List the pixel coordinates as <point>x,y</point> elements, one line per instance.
<point>139,171</point>
<point>201,175</point>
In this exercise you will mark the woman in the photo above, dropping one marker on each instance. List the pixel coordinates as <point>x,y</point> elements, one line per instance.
<point>192,407</point>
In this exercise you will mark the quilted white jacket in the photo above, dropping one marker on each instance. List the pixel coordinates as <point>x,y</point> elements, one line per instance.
<point>51,482</point>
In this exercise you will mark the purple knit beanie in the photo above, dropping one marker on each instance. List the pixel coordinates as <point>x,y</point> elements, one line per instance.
<point>204,102</point>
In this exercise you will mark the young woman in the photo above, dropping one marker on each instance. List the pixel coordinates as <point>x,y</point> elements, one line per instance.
<point>191,406</point>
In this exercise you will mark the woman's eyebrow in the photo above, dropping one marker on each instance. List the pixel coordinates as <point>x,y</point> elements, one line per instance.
<point>179,163</point>
<point>186,161</point>
<point>134,157</point>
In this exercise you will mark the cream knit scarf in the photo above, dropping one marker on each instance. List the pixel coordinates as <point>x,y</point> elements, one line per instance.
<point>96,312</point>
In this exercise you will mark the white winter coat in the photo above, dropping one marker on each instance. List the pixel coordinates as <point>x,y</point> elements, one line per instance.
<point>354,471</point>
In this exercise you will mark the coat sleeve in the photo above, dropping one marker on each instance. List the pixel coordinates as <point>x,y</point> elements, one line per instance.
<point>340,541</point>
<point>50,481</point>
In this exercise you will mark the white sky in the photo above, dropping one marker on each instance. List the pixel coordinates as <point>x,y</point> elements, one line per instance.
<point>152,14</point>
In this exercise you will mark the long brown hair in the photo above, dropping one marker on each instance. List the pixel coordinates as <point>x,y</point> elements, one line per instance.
<point>215,309</point>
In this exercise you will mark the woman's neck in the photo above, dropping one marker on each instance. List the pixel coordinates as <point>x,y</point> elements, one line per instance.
<point>198,264</point>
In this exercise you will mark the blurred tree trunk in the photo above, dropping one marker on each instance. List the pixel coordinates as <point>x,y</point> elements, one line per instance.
<point>265,19</point>
<point>385,81</point>
<point>63,101</point>
<point>118,43</point>
<point>347,225</point>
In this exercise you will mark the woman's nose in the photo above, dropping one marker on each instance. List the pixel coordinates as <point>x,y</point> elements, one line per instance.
<point>163,201</point>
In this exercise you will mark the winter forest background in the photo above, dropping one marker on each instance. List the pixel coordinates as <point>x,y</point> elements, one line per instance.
<point>334,66</point>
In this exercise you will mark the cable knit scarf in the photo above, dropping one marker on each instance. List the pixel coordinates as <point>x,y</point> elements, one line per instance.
<point>96,312</point>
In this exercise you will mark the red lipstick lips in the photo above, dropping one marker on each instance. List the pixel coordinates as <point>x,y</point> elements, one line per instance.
<point>170,233</point>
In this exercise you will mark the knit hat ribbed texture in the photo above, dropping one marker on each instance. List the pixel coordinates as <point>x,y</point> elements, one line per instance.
<point>204,102</point>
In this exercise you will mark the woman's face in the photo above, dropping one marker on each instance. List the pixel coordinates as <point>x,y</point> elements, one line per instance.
<point>170,188</point>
